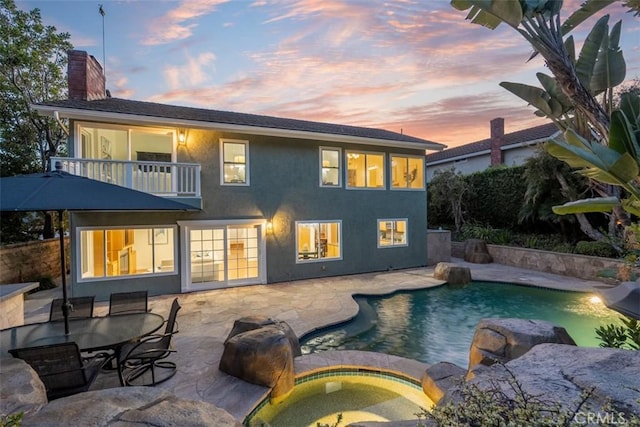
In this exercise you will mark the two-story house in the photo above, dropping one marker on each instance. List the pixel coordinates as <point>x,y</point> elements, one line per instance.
<point>511,149</point>
<point>277,199</point>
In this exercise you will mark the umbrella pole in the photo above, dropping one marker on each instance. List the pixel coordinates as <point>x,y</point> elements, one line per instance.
<point>63,267</point>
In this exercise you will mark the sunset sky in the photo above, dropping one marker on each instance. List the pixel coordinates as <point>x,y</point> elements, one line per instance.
<point>410,65</point>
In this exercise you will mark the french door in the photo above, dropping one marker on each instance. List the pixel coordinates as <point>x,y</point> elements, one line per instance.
<point>220,254</point>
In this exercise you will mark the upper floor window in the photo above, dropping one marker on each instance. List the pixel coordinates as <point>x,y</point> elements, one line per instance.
<point>365,170</point>
<point>392,232</point>
<point>318,240</point>
<point>407,172</point>
<point>330,175</point>
<point>113,142</point>
<point>235,164</point>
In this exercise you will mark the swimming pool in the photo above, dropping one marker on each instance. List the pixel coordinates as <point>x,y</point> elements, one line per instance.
<point>438,324</point>
<point>356,394</point>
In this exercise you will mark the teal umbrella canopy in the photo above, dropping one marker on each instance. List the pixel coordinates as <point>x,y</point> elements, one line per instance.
<point>61,191</point>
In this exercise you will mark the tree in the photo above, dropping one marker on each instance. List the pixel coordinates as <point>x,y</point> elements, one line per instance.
<point>447,188</point>
<point>542,174</point>
<point>569,97</point>
<point>33,59</point>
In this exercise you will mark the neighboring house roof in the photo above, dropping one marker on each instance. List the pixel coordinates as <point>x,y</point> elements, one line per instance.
<point>528,136</point>
<point>127,111</point>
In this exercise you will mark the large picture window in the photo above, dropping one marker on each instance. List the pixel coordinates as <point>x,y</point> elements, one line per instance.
<point>330,175</point>
<point>407,172</point>
<point>318,240</point>
<point>365,170</point>
<point>235,156</point>
<point>392,232</point>
<point>126,252</point>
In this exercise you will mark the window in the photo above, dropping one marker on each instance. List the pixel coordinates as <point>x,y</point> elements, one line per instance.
<point>234,161</point>
<point>330,175</point>
<point>392,232</point>
<point>126,252</point>
<point>318,240</point>
<point>365,170</point>
<point>407,172</point>
<point>110,142</point>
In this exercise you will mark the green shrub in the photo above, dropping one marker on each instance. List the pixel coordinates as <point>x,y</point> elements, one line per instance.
<point>563,247</point>
<point>12,420</point>
<point>601,249</point>
<point>625,336</point>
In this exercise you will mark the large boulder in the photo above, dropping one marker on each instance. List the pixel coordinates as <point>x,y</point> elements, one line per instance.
<point>502,340</point>
<point>22,390</point>
<point>129,407</point>
<point>562,373</point>
<point>439,378</point>
<point>256,322</point>
<point>452,273</point>
<point>261,356</point>
<point>476,251</point>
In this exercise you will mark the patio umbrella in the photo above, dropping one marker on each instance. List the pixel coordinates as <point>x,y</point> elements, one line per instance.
<point>60,191</point>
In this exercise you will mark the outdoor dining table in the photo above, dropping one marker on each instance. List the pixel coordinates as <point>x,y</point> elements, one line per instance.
<point>90,334</point>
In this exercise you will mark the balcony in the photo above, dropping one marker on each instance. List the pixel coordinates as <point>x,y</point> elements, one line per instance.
<point>158,178</point>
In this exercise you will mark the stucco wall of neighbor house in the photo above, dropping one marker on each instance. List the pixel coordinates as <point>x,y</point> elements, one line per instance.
<point>574,265</point>
<point>284,187</point>
<point>517,156</point>
<point>31,261</point>
<point>468,166</point>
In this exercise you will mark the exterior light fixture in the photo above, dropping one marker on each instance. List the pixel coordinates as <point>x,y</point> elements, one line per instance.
<point>269,226</point>
<point>182,137</point>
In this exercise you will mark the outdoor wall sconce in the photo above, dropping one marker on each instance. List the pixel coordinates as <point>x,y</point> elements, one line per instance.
<point>270,227</point>
<point>182,137</point>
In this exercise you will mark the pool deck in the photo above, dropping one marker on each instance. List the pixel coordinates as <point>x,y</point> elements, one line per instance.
<point>207,317</point>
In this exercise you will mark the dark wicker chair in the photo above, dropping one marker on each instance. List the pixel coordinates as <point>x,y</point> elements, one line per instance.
<point>61,368</point>
<point>128,302</point>
<point>138,362</point>
<point>82,307</point>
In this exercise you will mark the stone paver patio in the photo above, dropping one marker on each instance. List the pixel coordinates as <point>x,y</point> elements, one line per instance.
<point>207,317</point>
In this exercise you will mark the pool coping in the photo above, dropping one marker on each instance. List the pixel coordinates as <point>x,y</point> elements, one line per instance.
<point>384,365</point>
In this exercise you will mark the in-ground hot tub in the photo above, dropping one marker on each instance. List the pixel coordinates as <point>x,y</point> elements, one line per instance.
<point>361,394</point>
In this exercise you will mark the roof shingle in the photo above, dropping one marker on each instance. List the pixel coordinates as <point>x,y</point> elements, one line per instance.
<point>150,109</point>
<point>525,135</point>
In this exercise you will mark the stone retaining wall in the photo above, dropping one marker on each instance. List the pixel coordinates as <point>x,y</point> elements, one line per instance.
<point>31,261</point>
<point>574,265</point>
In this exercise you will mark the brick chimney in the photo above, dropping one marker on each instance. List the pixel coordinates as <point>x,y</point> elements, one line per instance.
<point>497,139</point>
<point>85,77</point>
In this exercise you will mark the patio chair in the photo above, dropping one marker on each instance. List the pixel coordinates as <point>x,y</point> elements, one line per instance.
<point>82,308</point>
<point>128,302</point>
<point>61,368</point>
<point>139,361</point>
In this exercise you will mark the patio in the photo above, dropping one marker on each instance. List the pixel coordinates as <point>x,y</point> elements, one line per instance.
<point>207,318</point>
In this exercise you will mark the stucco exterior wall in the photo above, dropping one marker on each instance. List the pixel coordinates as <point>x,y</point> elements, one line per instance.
<point>284,187</point>
<point>466,167</point>
<point>517,156</point>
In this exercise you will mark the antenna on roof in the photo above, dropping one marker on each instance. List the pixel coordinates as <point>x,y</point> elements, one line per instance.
<point>401,131</point>
<point>104,59</point>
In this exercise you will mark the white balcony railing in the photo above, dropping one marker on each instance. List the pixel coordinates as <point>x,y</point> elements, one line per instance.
<point>159,178</point>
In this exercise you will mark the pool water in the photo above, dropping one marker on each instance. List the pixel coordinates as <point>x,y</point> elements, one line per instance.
<point>353,396</point>
<point>438,324</point>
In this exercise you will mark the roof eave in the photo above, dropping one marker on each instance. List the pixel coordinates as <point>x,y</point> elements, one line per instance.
<point>125,118</point>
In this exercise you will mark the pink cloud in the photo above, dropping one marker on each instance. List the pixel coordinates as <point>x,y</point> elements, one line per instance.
<point>173,25</point>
